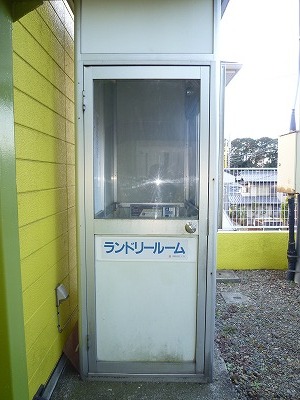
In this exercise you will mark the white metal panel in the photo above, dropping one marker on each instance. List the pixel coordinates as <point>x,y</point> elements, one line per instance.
<point>147,26</point>
<point>142,72</point>
<point>288,167</point>
<point>145,310</point>
<point>147,227</point>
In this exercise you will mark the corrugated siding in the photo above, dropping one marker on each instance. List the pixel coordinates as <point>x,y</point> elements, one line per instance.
<point>45,151</point>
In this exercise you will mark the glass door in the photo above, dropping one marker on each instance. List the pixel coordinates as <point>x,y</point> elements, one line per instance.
<point>146,140</point>
<point>146,174</point>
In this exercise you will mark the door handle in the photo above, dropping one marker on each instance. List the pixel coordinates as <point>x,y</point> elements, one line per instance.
<point>190,227</point>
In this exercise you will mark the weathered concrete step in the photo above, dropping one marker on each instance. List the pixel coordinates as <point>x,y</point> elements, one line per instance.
<point>227,276</point>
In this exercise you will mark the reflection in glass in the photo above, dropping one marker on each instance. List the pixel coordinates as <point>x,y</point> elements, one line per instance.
<point>146,148</point>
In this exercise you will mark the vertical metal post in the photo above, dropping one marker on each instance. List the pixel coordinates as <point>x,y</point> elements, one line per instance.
<point>221,147</point>
<point>291,252</point>
<point>297,266</point>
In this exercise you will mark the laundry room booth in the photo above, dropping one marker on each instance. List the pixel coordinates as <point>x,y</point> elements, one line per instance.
<point>147,84</point>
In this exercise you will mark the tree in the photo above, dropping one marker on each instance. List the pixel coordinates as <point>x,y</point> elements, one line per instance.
<point>254,153</point>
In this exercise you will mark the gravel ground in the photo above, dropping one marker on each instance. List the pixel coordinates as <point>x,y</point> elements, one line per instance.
<point>259,335</point>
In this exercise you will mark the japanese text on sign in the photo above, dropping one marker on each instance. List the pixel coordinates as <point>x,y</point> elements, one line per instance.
<point>141,247</point>
<point>145,248</point>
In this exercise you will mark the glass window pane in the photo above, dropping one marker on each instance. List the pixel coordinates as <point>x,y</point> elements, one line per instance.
<point>146,148</point>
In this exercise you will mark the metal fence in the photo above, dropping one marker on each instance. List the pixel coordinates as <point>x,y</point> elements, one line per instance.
<point>251,200</point>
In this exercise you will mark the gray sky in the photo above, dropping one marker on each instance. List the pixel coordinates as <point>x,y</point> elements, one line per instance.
<point>263,35</point>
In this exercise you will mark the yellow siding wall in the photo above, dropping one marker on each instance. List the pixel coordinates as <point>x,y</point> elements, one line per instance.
<point>45,151</point>
<point>252,250</point>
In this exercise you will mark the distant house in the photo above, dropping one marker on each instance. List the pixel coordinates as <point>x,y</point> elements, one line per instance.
<point>252,200</point>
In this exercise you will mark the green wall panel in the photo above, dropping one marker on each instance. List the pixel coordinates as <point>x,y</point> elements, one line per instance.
<point>13,376</point>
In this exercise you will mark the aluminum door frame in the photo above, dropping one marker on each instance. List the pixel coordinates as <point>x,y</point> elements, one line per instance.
<point>89,226</point>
